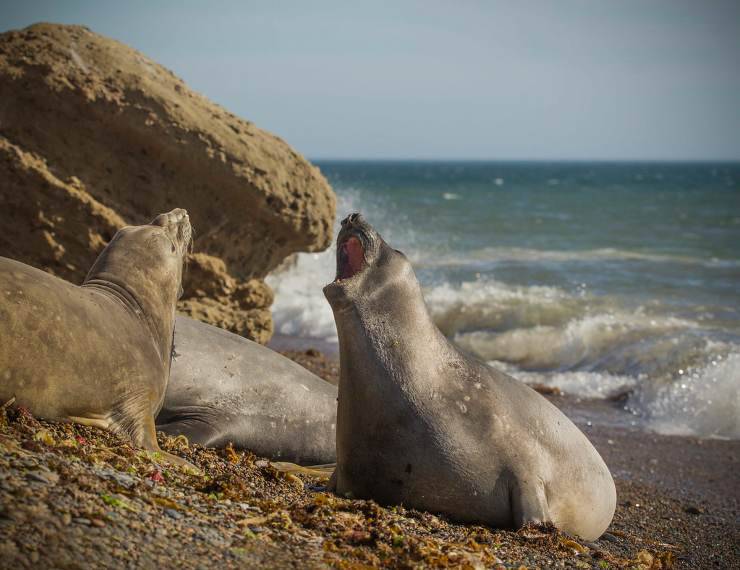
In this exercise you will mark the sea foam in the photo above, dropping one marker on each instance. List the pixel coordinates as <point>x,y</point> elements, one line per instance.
<point>702,401</point>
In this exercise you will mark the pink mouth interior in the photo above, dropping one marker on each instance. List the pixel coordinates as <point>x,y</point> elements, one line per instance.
<point>351,257</point>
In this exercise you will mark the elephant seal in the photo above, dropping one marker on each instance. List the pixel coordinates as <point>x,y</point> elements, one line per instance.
<point>423,424</point>
<point>225,389</point>
<point>97,354</point>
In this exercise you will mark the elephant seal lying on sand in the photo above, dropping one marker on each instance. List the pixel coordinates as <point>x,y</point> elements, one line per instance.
<point>421,423</point>
<point>98,354</point>
<point>224,388</point>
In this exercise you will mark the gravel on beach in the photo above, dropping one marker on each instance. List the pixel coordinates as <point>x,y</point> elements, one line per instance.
<point>78,497</point>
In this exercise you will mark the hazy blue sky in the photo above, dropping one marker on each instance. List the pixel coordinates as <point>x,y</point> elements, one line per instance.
<point>564,79</point>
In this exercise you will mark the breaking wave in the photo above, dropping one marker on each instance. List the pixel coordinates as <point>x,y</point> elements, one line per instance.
<point>701,401</point>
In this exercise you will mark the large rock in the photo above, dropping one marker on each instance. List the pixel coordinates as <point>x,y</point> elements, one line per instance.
<point>94,135</point>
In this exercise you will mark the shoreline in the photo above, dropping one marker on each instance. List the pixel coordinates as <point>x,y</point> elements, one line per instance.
<point>321,356</point>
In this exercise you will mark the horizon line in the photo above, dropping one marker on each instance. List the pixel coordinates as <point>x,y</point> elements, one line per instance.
<point>538,160</point>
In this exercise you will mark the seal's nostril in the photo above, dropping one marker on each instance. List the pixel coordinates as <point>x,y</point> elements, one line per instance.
<point>352,219</point>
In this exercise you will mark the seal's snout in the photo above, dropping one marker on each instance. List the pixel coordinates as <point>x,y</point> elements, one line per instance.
<point>355,224</point>
<point>352,219</point>
<point>174,217</point>
<point>177,226</point>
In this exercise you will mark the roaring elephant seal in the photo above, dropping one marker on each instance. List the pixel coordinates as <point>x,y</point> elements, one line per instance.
<point>423,424</point>
<point>226,389</point>
<point>97,354</point>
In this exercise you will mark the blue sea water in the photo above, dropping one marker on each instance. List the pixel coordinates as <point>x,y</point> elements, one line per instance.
<point>599,278</point>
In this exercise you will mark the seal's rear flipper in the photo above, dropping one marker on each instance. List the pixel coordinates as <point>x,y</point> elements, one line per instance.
<point>193,422</point>
<point>323,472</point>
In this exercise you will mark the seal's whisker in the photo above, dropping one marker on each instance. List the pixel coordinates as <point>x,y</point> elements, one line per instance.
<point>191,240</point>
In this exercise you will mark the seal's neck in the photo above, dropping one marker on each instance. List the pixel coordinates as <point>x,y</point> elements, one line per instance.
<point>150,302</point>
<point>388,341</point>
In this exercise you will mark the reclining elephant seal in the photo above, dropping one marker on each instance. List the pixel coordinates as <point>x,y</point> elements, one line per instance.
<point>422,424</point>
<point>226,389</point>
<point>97,354</point>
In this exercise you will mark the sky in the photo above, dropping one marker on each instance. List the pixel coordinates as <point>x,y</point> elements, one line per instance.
<point>470,80</point>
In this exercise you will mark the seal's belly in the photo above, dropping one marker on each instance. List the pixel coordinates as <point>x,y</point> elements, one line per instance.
<point>425,477</point>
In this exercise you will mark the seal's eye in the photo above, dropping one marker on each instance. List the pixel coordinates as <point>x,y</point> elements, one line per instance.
<point>173,248</point>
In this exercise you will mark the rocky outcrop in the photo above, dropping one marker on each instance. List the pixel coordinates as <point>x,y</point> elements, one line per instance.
<point>94,136</point>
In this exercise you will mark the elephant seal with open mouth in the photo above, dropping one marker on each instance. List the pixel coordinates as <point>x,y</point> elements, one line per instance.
<point>423,424</point>
<point>226,389</point>
<point>97,354</point>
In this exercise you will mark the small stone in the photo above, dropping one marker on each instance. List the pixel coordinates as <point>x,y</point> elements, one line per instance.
<point>609,537</point>
<point>97,522</point>
<point>47,477</point>
<point>82,520</point>
<point>173,514</point>
<point>694,510</point>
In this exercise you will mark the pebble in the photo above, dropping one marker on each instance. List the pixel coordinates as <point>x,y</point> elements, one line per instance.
<point>82,520</point>
<point>47,477</point>
<point>609,537</point>
<point>173,514</point>
<point>122,479</point>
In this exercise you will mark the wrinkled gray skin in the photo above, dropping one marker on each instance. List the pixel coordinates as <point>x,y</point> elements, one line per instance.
<point>97,354</point>
<point>224,388</point>
<point>423,424</point>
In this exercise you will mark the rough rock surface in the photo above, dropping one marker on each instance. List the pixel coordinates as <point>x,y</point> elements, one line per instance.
<point>94,136</point>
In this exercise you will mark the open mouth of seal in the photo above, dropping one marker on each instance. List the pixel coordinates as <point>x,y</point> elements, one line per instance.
<point>350,258</point>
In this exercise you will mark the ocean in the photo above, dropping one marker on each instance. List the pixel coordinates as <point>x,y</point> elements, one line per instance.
<point>608,280</point>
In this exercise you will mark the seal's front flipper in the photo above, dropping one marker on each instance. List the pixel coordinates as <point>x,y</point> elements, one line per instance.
<point>529,503</point>
<point>94,420</point>
<point>148,440</point>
